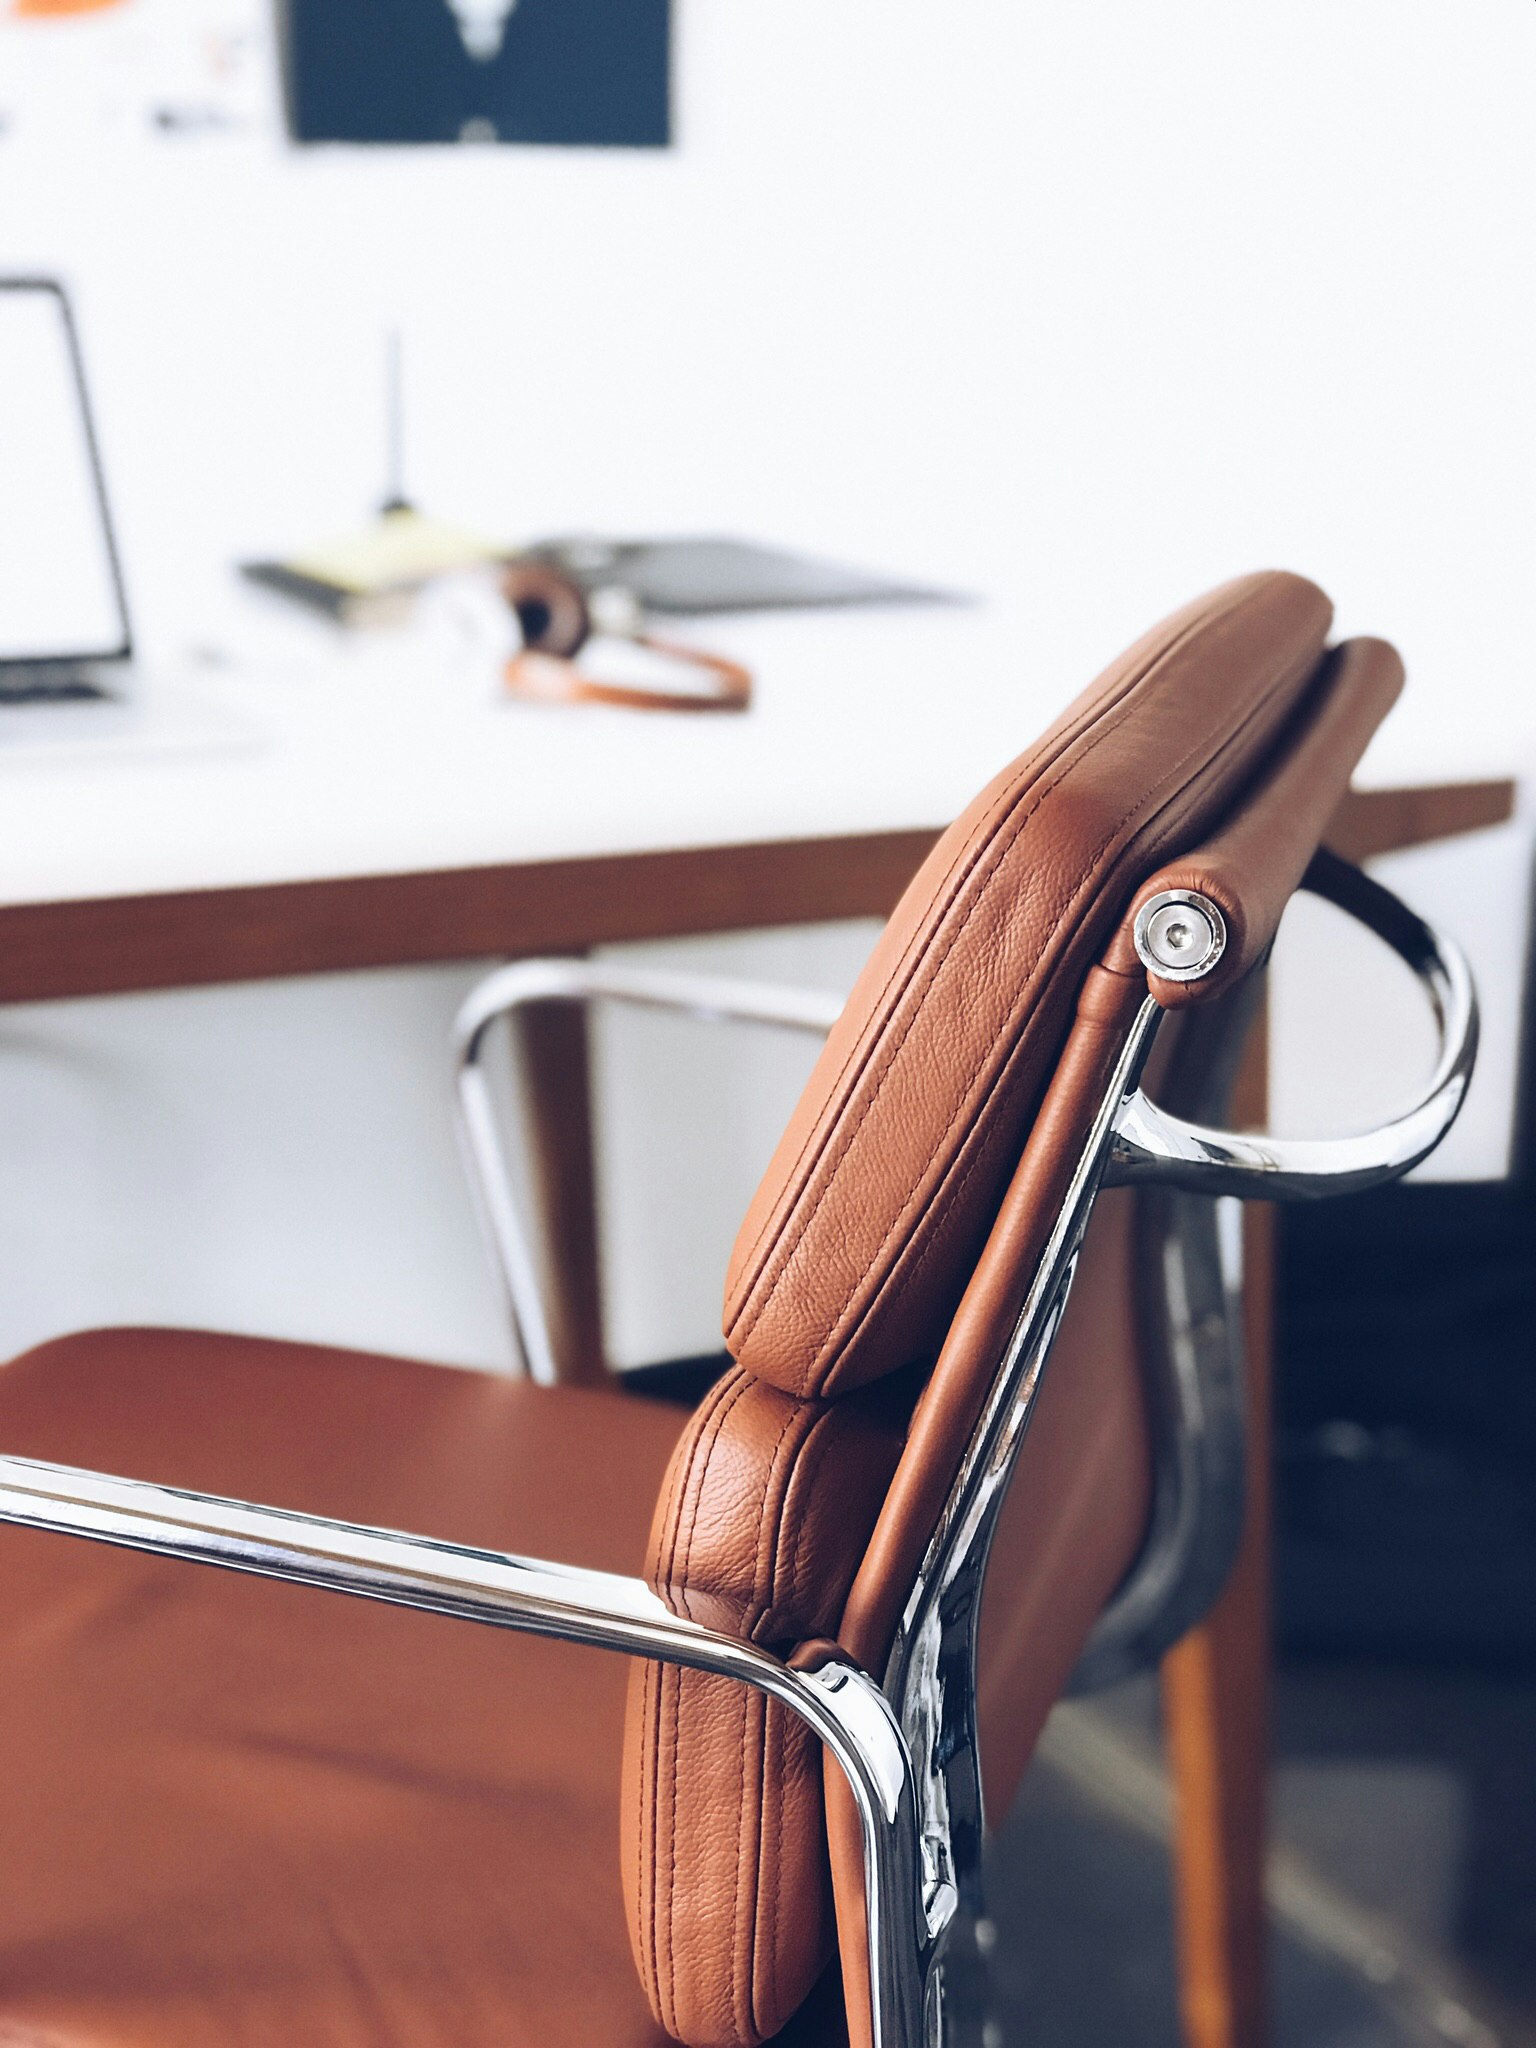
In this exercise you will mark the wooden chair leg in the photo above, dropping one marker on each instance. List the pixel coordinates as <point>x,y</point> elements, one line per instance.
<point>555,1051</point>
<point>1216,1706</point>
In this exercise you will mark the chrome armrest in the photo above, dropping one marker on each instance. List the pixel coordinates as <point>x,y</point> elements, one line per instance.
<point>1191,1267</point>
<point>1151,1145</point>
<point>710,998</point>
<point>820,1684</point>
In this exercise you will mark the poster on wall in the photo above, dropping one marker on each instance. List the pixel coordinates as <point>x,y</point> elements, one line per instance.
<point>136,69</point>
<point>575,72</point>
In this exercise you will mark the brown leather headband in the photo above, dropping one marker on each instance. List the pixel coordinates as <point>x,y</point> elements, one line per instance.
<point>555,679</point>
<point>556,624</point>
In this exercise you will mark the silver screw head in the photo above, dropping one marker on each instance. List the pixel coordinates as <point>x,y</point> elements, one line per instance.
<point>1180,935</point>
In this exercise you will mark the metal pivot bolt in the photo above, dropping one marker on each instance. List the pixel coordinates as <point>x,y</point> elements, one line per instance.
<point>1180,935</point>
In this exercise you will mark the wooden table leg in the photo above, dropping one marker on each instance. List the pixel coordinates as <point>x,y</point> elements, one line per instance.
<point>555,1049</point>
<point>1216,1703</point>
<point>1216,1682</point>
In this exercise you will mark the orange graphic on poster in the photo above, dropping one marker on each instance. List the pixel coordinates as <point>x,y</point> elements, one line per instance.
<point>51,9</point>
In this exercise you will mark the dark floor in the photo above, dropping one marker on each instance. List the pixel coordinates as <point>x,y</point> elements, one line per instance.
<point>1404,1888</point>
<point>1084,1950</point>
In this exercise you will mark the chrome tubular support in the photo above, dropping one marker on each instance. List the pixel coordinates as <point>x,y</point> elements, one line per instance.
<point>931,1674</point>
<point>1191,1255</point>
<point>1198,1516</point>
<point>1151,1145</point>
<point>709,998</point>
<point>829,1692</point>
<point>1189,1285</point>
<point>1190,1275</point>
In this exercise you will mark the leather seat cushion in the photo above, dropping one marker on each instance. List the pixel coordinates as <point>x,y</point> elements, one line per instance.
<point>241,1812</point>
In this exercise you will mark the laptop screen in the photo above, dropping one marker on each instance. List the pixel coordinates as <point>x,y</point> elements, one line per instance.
<point>60,595</point>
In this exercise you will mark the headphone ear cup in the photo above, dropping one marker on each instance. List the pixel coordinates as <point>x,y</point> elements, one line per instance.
<point>551,609</point>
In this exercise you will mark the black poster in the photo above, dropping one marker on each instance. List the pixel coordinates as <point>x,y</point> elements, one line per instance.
<point>554,71</point>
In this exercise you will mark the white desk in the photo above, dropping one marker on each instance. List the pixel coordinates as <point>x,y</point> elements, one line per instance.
<point>388,807</point>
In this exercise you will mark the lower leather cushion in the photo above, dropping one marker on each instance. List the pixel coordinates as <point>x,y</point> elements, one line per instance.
<point>767,1508</point>
<point>235,1812</point>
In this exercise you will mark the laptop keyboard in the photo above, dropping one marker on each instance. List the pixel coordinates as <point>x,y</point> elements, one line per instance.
<point>32,683</point>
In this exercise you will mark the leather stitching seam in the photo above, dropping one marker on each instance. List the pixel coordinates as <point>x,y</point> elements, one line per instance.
<point>808,1458</point>
<point>778,1479</point>
<point>669,1682</point>
<point>654,1711</point>
<point>697,1458</point>
<point>741,2009</point>
<point>761,1599</point>
<point>775,1729</point>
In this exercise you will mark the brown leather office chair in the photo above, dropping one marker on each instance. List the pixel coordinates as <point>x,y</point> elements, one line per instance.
<point>234,1811</point>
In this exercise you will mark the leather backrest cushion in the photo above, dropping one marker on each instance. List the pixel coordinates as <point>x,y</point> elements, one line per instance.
<point>863,1232</point>
<point>762,1522</point>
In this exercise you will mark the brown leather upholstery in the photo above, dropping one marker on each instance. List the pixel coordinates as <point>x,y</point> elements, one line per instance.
<point>980,1020</point>
<point>759,1531</point>
<point>1250,868</point>
<point>858,1243</point>
<point>242,1815</point>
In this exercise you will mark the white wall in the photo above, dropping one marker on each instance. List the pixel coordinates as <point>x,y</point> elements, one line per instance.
<point>1097,302</point>
<point>1100,304</point>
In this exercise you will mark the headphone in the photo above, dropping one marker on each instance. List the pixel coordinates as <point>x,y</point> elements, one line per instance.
<point>556,623</point>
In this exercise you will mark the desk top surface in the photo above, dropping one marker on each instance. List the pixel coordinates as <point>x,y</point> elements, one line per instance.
<point>340,754</point>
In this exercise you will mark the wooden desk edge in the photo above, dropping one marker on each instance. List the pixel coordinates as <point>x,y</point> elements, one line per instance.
<point>193,938</point>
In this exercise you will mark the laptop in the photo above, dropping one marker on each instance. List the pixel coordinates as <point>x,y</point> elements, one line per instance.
<point>64,632</point>
<point>67,670</point>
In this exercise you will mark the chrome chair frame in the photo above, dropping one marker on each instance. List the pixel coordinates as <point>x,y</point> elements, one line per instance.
<point>711,999</point>
<point>908,1745</point>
